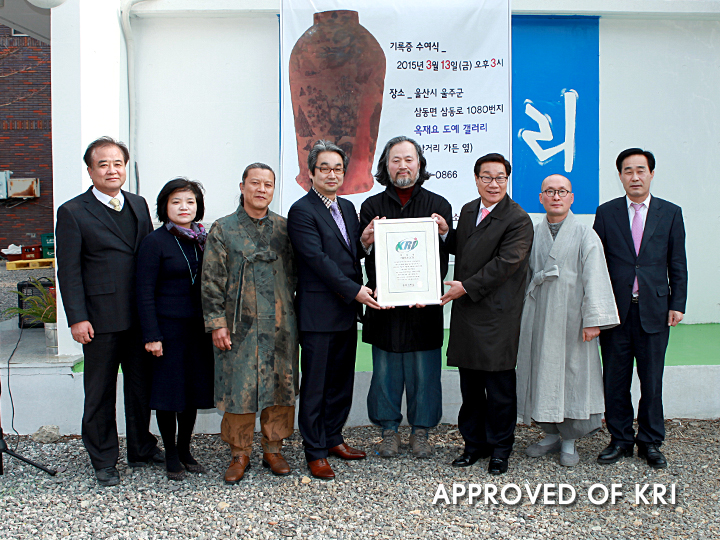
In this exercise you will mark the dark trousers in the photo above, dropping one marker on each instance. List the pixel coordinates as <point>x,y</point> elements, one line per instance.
<point>328,374</point>
<point>103,355</point>
<point>488,413</point>
<point>620,346</point>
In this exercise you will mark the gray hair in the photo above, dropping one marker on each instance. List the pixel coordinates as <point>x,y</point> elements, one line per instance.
<point>325,146</point>
<point>383,176</point>
<point>101,143</point>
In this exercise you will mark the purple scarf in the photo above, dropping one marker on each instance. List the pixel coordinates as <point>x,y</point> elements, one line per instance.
<point>196,234</point>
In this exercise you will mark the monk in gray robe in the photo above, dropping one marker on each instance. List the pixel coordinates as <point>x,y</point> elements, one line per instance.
<point>568,301</point>
<point>248,289</point>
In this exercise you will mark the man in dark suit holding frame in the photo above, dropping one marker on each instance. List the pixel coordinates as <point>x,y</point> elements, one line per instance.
<point>492,246</point>
<point>98,234</point>
<point>644,241</point>
<point>325,233</point>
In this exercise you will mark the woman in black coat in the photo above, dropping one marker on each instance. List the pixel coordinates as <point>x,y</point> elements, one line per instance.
<point>168,292</point>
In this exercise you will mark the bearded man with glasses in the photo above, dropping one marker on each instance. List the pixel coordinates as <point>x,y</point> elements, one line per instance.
<point>568,301</point>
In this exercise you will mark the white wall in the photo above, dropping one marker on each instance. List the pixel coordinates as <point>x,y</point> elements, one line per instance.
<point>688,392</point>
<point>208,92</point>
<point>208,103</point>
<point>89,100</point>
<point>659,89</point>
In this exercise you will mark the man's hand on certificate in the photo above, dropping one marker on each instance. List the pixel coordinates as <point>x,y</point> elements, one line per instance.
<point>365,296</point>
<point>368,235</point>
<point>456,291</point>
<point>442,224</point>
<point>382,307</point>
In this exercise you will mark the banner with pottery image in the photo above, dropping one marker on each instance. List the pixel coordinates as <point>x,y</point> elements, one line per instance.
<point>359,73</point>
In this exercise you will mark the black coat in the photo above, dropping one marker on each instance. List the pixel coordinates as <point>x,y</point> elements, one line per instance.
<point>660,267</point>
<point>404,329</point>
<point>170,311</point>
<point>329,274</point>
<point>96,263</point>
<point>164,284</point>
<point>491,261</point>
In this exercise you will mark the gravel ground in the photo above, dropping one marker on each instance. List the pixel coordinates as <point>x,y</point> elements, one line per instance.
<point>8,283</point>
<point>376,498</point>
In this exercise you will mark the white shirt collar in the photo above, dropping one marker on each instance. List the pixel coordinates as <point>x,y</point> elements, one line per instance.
<point>488,208</point>
<point>646,202</point>
<point>105,199</point>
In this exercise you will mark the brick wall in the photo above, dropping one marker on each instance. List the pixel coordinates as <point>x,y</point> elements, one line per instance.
<point>25,135</point>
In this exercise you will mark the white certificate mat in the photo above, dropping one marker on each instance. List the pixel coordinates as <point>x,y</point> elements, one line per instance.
<point>407,262</point>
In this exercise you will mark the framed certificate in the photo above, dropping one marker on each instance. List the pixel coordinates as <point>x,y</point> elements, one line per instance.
<point>407,261</point>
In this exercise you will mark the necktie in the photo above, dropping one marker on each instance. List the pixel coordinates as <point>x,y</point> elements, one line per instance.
<point>115,204</point>
<point>483,214</point>
<point>335,211</point>
<point>637,233</point>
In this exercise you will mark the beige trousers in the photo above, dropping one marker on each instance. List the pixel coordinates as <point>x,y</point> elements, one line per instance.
<point>276,423</point>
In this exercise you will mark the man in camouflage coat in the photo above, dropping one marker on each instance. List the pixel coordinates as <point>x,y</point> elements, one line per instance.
<point>248,287</point>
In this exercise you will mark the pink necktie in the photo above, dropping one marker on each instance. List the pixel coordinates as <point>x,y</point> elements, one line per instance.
<point>483,214</point>
<point>637,233</point>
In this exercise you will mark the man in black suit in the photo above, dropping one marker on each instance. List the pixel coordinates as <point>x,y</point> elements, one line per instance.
<point>98,234</point>
<point>325,234</point>
<point>492,245</point>
<point>644,241</point>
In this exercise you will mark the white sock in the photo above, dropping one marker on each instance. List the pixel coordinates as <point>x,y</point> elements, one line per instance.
<point>550,438</point>
<point>568,446</point>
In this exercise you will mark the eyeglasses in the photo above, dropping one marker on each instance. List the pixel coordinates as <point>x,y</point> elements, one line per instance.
<point>551,192</point>
<point>488,179</point>
<point>337,170</point>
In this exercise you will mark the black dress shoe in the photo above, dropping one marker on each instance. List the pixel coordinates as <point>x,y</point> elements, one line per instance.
<point>467,459</point>
<point>497,465</point>
<point>107,476</point>
<point>652,455</point>
<point>158,457</point>
<point>614,453</point>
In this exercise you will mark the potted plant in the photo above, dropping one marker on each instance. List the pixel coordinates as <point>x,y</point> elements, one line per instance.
<point>40,307</point>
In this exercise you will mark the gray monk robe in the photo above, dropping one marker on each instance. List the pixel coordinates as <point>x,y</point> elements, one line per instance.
<point>559,377</point>
<point>248,286</point>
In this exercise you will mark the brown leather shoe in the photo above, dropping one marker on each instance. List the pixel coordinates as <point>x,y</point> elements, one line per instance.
<point>320,468</point>
<point>277,464</point>
<point>235,472</point>
<point>347,452</point>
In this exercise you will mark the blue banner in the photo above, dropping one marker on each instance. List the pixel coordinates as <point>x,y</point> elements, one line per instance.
<point>555,108</point>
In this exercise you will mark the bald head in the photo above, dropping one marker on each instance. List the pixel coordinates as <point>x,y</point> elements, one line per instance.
<point>558,181</point>
<point>558,204</point>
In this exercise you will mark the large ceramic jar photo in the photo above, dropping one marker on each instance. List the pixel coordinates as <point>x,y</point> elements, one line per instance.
<point>337,76</point>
